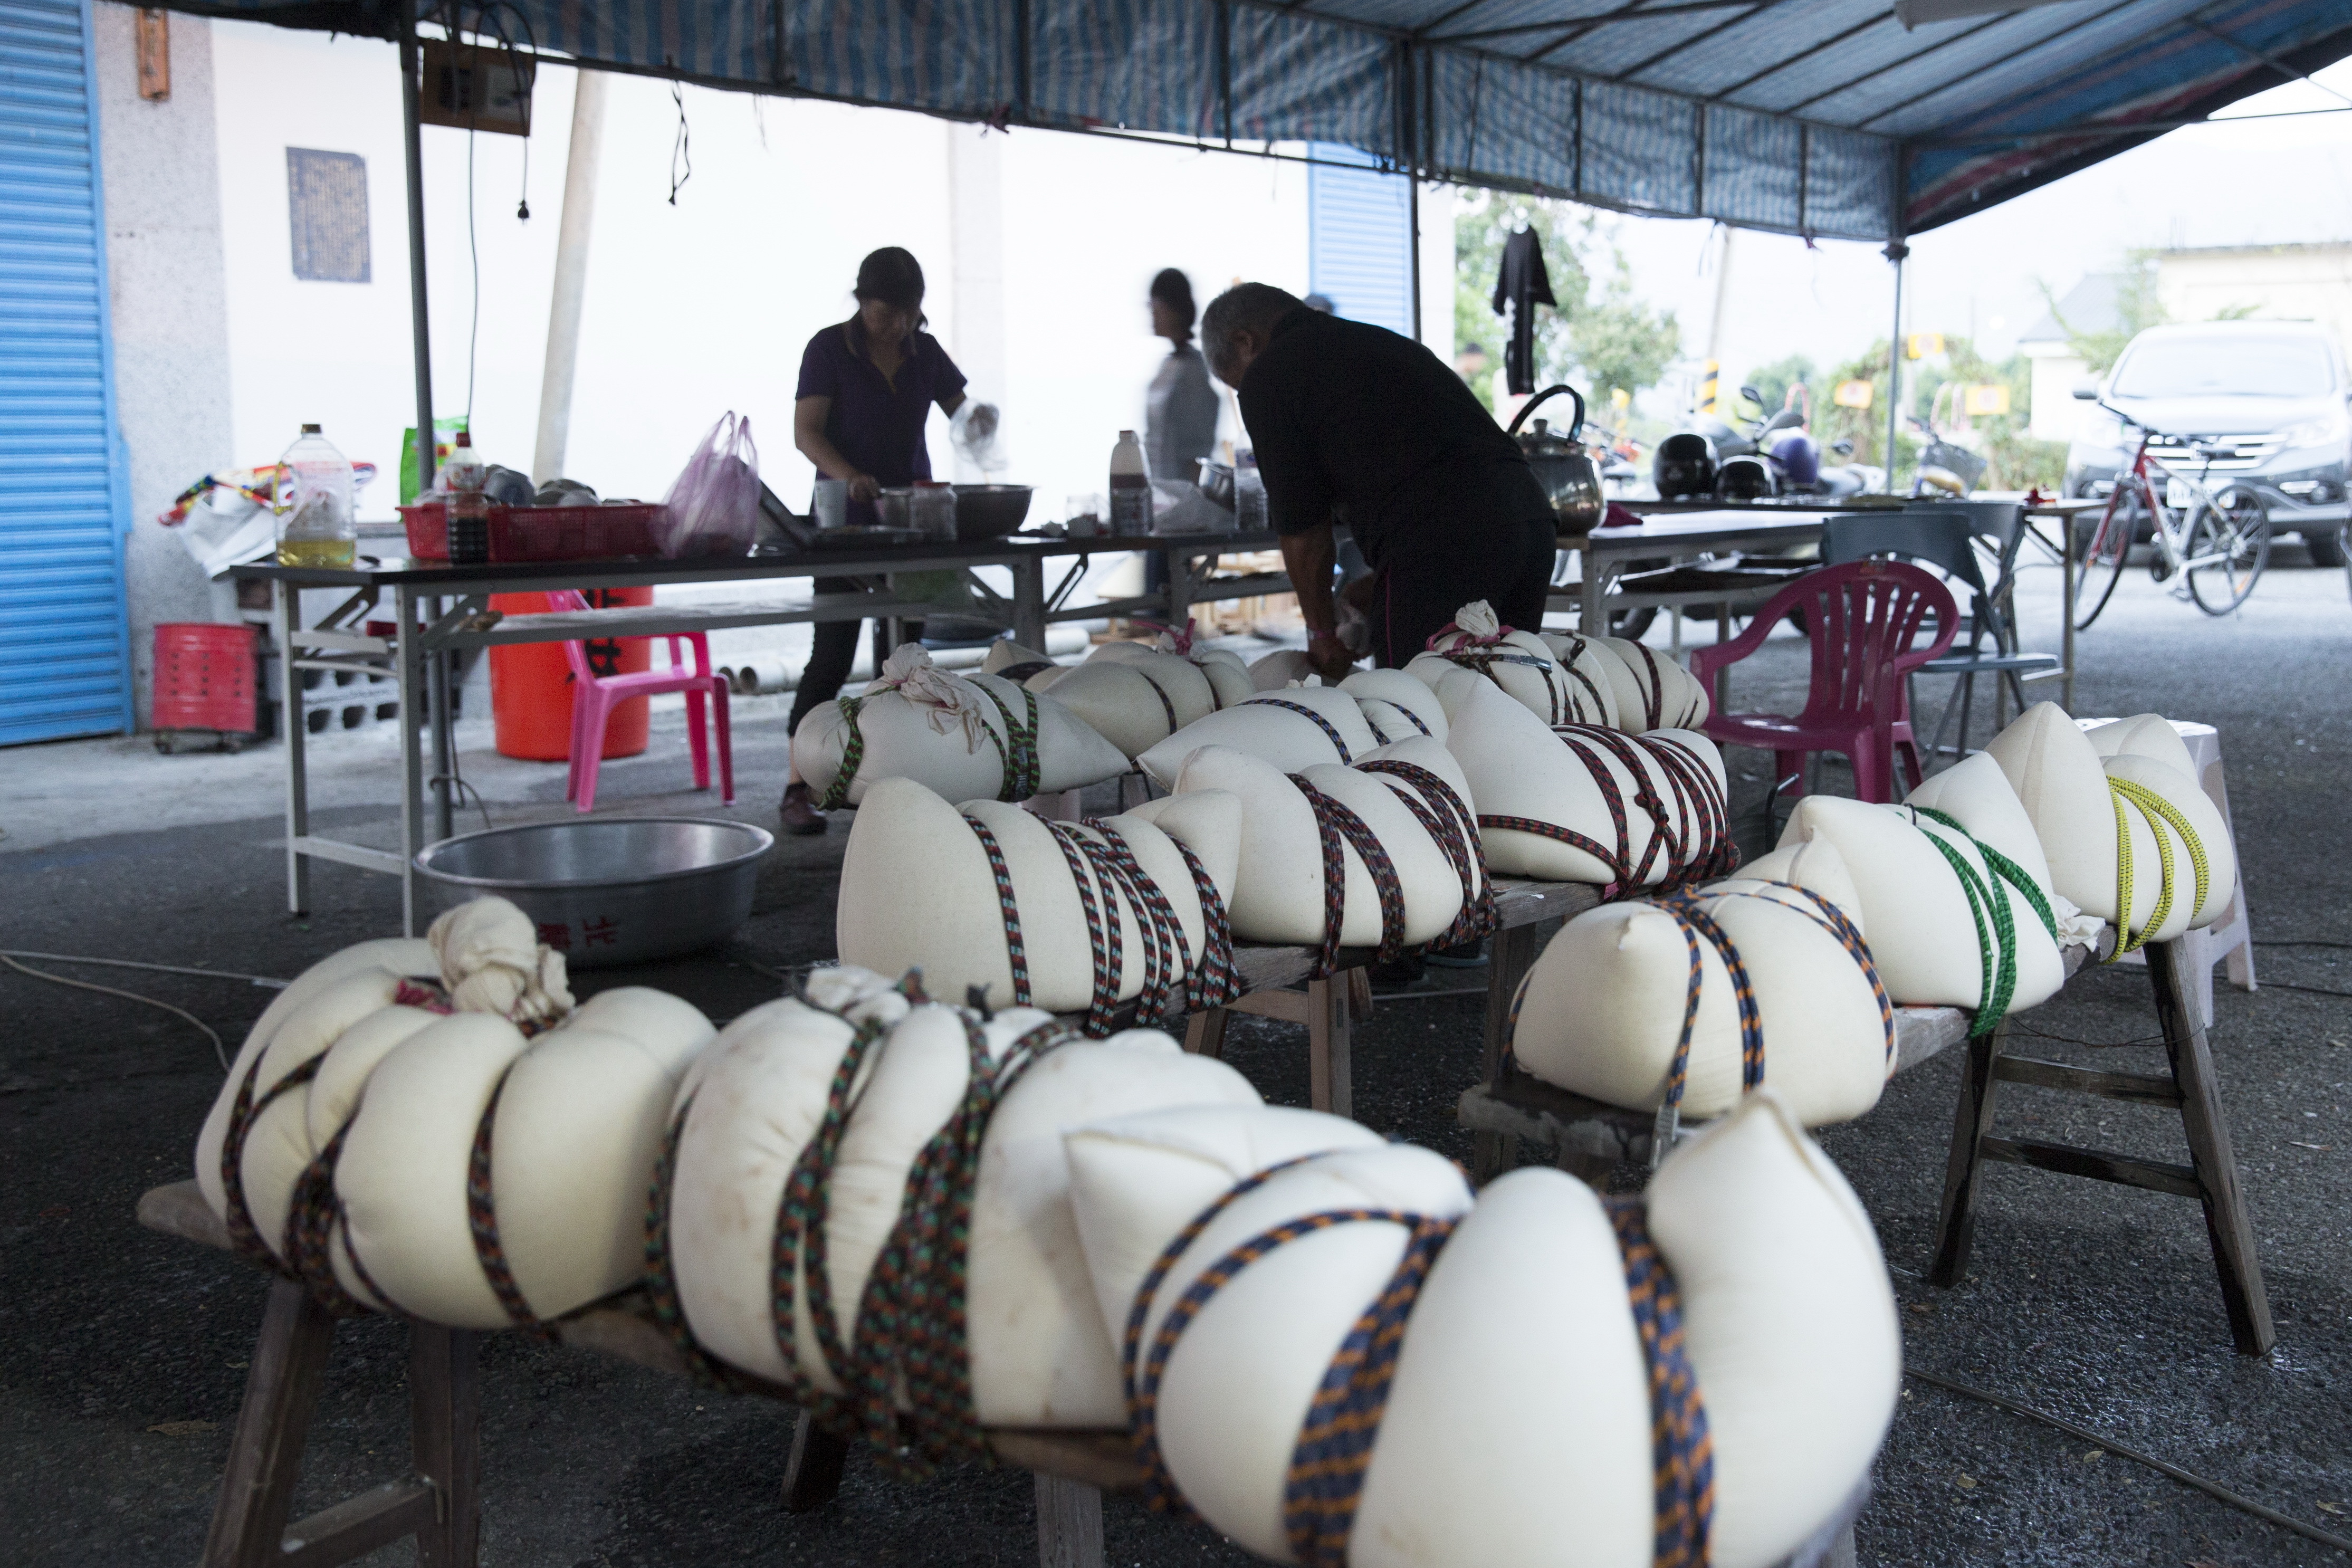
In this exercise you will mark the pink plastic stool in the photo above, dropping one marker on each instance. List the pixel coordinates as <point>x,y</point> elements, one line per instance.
<point>593,696</point>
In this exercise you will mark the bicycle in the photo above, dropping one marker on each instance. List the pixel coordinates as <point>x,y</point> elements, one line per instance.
<point>2211,547</point>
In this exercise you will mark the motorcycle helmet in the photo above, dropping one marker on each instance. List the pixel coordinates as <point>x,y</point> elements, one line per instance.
<point>1682,466</point>
<point>1799,460</point>
<point>1743,478</point>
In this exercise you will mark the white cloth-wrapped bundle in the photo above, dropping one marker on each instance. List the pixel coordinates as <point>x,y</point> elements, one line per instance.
<point>757,1104</point>
<point>1424,881</point>
<point>1558,689</point>
<point>1523,1331</point>
<point>400,1146</point>
<point>1137,698</point>
<point>1294,728</point>
<point>1283,667</point>
<point>1396,706</point>
<point>988,895</point>
<point>1010,659</point>
<point>1602,1011</point>
<point>1652,693</point>
<point>1545,796</point>
<point>964,737</point>
<point>1223,666</point>
<point>1936,907</point>
<point>2124,834</point>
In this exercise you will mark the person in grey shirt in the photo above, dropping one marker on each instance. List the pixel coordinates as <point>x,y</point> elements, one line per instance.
<point>1181,411</point>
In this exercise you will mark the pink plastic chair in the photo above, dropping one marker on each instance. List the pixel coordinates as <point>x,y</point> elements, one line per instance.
<point>1864,619</point>
<point>593,697</point>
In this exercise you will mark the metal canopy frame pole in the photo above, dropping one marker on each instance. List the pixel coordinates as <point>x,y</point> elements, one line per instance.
<point>420,318</point>
<point>437,685</point>
<point>1895,252</point>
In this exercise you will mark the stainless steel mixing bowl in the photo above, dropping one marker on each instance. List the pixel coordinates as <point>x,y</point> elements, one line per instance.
<point>604,890</point>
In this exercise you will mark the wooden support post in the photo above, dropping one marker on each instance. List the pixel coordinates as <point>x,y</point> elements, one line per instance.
<point>1205,1035</point>
<point>813,1474</point>
<point>444,1405</point>
<point>1511,953</point>
<point>1964,1166</point>
<point>1069,1523</point>
<point>2226,1224</point>
<point>1329,1043</point>
<point>264,1455</point>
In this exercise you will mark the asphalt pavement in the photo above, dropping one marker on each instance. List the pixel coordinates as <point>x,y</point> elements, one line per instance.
<point>128,1351</point>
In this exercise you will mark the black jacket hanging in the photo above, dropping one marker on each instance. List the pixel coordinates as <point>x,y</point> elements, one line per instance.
<point>1521,287</point>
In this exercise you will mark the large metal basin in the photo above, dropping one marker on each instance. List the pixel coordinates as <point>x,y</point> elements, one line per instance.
<point>609,889</point>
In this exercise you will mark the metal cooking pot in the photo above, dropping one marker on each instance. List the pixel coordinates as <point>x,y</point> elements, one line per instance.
<point>990,511</point>
<point>1570,479</point>
<point>619,889</point>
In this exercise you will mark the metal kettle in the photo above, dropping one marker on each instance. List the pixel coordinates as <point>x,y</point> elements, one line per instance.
<point>1570,479</point>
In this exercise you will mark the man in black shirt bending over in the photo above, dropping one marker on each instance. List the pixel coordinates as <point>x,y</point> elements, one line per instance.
<point>1351,418</point>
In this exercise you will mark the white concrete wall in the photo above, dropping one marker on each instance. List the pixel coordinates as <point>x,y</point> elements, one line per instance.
<point>2290,283</point>
<point>164,261</point>
<point>2056,414</point>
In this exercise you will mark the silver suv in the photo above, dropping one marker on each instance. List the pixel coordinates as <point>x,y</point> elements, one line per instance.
<point>2269,399</point>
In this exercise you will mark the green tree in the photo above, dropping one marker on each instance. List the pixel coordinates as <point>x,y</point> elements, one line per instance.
<point>2015,460</point>
<point>1774,381</point>
<point>1601,335</point>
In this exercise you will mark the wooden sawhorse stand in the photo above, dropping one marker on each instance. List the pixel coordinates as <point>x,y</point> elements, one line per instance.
<point>439,1502</point>
<point>2190,1087</point>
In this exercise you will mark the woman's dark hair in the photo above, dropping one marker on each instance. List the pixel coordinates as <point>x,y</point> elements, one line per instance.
<point>893,275</point>
<point>1173,290</point>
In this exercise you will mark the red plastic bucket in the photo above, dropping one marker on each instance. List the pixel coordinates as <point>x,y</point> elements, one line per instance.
<point>204,677</point>
<point>531,683</point>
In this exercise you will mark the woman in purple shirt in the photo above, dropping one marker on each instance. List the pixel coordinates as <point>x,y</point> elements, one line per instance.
<point>866,393</point>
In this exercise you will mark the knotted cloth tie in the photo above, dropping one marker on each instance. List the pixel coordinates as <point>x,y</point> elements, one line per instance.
<point>1987,903</point>
<point>1324,1484</point>
<point>2159,813</point>
<point>908,1333</point>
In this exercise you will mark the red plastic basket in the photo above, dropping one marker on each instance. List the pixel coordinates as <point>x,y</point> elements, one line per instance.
<point>204,677</point>
<point>541,532</point>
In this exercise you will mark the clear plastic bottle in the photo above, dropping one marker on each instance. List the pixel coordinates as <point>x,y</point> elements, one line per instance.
<point>1130,488</point>
<point>469,505</point>
<point>315,526</point>
<point>1249,493</point>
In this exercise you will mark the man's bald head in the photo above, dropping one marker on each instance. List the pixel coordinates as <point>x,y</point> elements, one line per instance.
<point>1238,325</point>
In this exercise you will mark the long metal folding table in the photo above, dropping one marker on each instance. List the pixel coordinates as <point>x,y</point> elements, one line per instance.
<point>436,608</point>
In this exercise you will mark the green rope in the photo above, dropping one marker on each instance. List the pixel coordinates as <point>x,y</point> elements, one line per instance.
<point>1997,950</point>
<point>1018,749</point>
<point>836,794</point>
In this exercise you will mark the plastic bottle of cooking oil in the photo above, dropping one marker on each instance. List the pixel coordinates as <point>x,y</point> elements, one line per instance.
<point>315,526</point>
<point>1130,488</point>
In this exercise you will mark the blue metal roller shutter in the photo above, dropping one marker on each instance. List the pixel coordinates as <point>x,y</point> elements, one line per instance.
<point>1359,238</point>
<point>64,641</point>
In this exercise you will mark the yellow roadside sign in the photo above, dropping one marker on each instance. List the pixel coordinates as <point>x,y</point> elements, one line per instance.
<point>1986,399</point>
<point>1926,345</point>
<point>1853,394</point>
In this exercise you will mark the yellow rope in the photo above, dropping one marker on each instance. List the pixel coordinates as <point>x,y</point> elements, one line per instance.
<point>2160,813</point>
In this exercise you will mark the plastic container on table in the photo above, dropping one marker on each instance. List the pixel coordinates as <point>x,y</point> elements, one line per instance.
<point>606,532</point>
<point>205,676</point>
<point>531,683</point>
<point>315,525</point>
<point>1131,489</point>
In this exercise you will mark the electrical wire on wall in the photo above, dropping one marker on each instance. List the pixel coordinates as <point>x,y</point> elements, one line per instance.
<point>682,149</point>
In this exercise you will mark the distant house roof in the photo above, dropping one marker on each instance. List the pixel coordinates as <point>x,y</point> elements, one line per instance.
<point>2089,306</point>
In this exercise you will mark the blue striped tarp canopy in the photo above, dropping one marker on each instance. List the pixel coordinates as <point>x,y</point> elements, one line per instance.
<point>1817,117</point>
